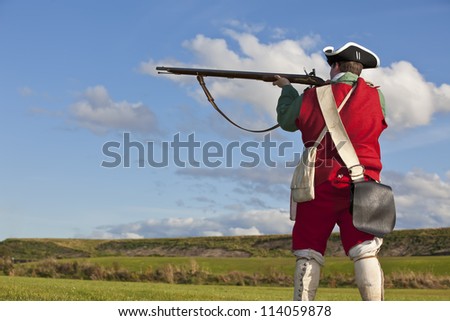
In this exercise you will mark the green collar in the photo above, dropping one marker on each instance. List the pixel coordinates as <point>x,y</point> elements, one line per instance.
<point>348,78</point>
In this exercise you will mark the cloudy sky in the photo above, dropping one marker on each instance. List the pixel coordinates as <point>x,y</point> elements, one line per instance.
<point>95,144</point>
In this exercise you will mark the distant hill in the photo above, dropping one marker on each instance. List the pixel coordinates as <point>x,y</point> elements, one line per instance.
<point>419,242</point>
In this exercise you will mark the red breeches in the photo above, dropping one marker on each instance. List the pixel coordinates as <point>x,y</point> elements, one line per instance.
<point>316,219</point>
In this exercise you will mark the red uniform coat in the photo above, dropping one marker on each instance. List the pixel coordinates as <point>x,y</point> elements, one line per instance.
<point>364,121</point>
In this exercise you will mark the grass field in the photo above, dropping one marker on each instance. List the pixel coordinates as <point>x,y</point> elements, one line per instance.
<point>38,289</point>
<point>260,268</point>
<point>23,288</point>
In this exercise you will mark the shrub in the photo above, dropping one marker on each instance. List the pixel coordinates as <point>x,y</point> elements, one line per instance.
<point>193,273</point>
<point>6,266</point>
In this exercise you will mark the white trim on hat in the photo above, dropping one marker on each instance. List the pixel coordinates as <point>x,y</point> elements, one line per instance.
<point>329,50</point>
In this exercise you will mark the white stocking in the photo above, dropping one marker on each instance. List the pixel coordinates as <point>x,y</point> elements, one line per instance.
<point>369,279</point>
<point>368,273</point>
<point>307,274</point>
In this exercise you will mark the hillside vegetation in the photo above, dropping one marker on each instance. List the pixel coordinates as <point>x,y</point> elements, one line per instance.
<point>414,259</point>
<point>421,242</point>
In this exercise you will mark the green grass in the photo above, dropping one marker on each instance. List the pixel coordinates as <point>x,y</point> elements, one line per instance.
<point>37,289</point>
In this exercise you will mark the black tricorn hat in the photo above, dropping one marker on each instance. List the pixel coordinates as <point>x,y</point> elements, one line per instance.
<point>352,52</point>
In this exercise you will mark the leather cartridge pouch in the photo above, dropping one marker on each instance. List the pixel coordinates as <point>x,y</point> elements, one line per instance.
<point>373,207</point>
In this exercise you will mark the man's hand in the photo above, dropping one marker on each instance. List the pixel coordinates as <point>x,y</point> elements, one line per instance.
<point>281,81</point>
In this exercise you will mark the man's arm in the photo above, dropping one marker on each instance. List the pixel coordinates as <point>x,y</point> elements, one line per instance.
<point>382,102</point>
<point>288,108</point>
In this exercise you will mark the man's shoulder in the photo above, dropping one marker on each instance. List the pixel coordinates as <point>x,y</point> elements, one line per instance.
<point>368,84</point>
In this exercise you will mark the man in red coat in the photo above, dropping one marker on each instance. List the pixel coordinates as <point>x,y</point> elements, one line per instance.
<point>363,118</point>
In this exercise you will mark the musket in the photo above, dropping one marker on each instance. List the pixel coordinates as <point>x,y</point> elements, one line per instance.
<point>307,79</point>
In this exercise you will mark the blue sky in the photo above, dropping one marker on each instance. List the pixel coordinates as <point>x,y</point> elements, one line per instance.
<point>77,75</point>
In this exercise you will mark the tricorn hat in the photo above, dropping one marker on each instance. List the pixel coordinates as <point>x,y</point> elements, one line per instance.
<point>352,52</point>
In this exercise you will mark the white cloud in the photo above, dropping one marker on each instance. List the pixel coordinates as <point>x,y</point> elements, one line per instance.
<point>254,222</point>
<point>422,199</point>
<point>240,25</point>
<point>279,33</point>
<point>411,100</point>
<point>97,112</point>
<point>270,221</point>
<point>245,231</point>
